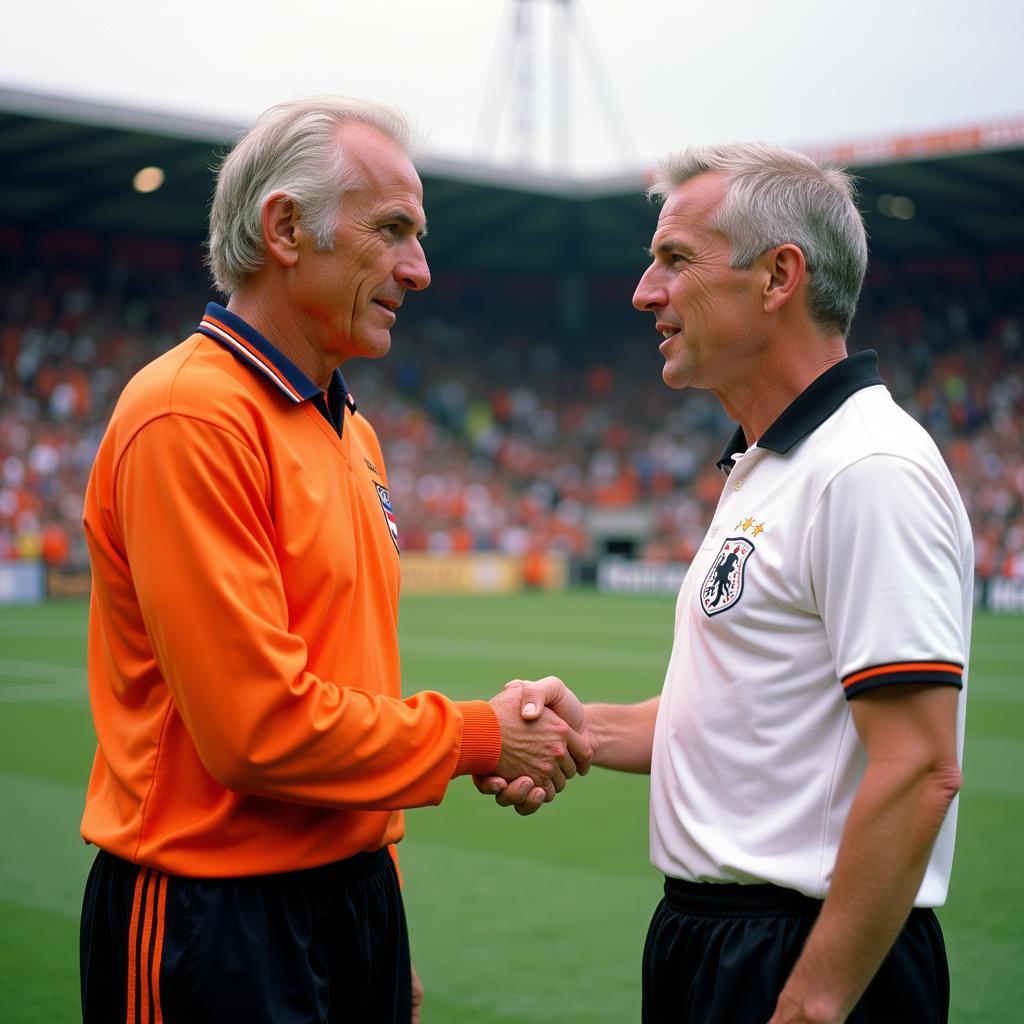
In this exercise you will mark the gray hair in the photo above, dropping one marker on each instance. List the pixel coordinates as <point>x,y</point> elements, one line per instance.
<point>293,148</point>
<point>776,196</point>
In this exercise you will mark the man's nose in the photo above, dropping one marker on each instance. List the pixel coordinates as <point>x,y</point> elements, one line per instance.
<point>649,295</point>
<point>413,272</point>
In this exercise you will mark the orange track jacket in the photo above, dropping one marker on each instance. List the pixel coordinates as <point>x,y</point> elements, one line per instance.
<point>244,673</point>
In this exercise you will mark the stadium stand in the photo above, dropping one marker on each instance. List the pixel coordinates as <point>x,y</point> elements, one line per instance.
<point>499,437</point>
<point>521,409</point>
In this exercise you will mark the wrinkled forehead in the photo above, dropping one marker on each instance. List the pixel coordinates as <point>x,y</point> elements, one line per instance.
<point>695,200</point>
<point>380,164</point>
<point>690,208</point>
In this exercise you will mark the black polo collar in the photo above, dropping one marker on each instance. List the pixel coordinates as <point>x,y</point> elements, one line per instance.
<point>251,348</point>
<point>811,407</point>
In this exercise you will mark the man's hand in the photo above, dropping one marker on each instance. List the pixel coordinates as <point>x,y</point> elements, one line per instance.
<point>540,743</point>
<point>553,693</point>
<point>538,701</point>
<point>417,997</point>
<point>790,1011</point>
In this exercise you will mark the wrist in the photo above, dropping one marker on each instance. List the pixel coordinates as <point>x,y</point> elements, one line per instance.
<point>480,744</point>
<point>799,1007</point>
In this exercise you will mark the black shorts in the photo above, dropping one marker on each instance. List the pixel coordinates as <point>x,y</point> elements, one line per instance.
<point>720,954</point>
<point>323,946</point>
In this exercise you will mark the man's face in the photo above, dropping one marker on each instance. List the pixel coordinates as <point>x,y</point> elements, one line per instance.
<point>707,312</point>
<point>348,298</point>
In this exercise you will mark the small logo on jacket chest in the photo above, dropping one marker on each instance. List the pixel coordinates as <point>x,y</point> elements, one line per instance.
<point>723,585</point>
<point>389,512</point>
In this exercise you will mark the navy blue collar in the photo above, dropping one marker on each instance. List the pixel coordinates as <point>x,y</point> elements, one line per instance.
<point>811,407</point>
<point>249,346</point>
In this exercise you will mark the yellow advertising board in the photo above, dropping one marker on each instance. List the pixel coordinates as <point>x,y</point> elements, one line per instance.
<point>489,573</point>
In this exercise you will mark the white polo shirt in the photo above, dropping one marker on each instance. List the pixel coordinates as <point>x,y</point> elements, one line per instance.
<point>839,559</point>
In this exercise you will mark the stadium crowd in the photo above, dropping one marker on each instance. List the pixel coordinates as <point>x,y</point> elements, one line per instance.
<point>501,438</point>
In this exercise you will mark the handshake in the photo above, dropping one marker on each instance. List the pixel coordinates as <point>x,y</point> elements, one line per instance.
<point>544,742</point>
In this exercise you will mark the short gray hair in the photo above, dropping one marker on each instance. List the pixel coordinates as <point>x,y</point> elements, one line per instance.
<point>776,196</point>
<point>292,148</point>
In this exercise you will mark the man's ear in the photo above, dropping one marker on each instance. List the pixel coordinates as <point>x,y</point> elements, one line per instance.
<point>786,269</point>
<point>280,223</point>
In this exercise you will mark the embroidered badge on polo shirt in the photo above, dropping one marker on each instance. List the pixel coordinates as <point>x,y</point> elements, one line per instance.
<point>723,585</point>
<point>389,512</point>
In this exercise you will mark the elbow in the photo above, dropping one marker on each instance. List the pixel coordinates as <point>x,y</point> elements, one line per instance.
<point>230,767</point>
<point>945,781</point>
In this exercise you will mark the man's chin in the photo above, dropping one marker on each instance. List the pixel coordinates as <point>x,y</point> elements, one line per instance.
<point>674,377</point>
<point>375,347</point>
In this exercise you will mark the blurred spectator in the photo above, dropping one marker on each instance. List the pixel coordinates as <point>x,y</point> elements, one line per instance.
<point>511,446</point>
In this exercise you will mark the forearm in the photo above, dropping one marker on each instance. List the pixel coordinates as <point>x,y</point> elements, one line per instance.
<point>272,709</point>
<point>263,723</point>
<point>360,750</point>
<point>623,735</point>
<point>882,859</point>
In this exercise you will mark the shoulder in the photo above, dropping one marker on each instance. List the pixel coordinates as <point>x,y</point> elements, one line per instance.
<point>198,380</point>
<point>868,424</point>
<point>871,449</point>
<point>189,378</point>
<point>883,463</point>
<point>888,428</point>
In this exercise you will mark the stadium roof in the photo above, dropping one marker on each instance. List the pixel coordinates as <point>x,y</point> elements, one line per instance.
<point>68,163</point>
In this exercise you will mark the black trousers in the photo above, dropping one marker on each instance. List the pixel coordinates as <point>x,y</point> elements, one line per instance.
<point>327,945</point>
<point>720,954</point>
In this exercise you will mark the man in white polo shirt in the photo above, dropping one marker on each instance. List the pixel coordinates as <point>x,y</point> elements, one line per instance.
<point>805,751</point>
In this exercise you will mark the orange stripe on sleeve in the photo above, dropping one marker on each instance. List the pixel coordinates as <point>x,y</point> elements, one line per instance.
<point>906,666</point>
<point>133,935</point>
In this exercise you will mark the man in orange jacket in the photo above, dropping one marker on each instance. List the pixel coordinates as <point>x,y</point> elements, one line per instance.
<point>254,749</point>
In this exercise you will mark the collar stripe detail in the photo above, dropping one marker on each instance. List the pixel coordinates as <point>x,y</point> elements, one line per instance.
<point>244,342</point>
<point>944,673</point>
<point>221,332</point>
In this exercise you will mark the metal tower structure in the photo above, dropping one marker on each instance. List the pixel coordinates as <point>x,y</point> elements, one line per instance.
<point>515,63</point>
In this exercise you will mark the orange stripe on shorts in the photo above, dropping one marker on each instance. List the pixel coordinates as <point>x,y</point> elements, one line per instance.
<point>133,935</point>
<point>158,946</point>
<point>147,931</point>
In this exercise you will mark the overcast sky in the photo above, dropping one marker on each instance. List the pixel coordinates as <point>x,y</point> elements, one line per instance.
<point>644,76</point>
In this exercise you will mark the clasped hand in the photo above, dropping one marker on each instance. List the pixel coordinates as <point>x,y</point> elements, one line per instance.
<point>544,742</point>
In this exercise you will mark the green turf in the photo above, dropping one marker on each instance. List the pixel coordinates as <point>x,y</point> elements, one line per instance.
<point>513,921</point>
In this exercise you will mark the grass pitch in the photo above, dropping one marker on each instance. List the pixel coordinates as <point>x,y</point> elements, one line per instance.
<point>513,920</point>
